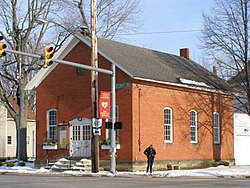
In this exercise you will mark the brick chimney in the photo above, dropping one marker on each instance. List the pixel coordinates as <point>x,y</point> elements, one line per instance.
<point>184,52</point>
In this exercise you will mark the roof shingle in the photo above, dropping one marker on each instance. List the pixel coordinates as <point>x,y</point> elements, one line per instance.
<point>151,64</point>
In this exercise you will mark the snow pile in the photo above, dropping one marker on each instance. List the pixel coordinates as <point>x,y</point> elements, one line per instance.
<point>194,83</point>
<point>220,171</point>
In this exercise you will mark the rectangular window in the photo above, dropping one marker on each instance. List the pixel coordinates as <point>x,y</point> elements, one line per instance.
<point>193,127</point>
<point>52,124</point>
<point>9,140</point>
<point>76,133</point>
<point>216,120</point>
<point>168,136</point>
<point>87,132</point>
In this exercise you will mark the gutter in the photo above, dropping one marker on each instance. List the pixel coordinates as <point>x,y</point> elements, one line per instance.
<point>182,85</point>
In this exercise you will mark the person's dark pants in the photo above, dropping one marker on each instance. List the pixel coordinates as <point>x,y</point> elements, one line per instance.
<point>150,164</point>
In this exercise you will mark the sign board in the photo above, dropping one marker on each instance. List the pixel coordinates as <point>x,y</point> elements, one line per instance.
<point>63,136</point>
<point>104,105</point>
<point>122,85</point>
<point>96,126</point>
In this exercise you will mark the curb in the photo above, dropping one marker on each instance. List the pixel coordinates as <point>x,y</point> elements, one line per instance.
<point>63,174</point>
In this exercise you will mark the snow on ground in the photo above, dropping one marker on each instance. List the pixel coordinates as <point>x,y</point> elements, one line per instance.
<point>220,171</point>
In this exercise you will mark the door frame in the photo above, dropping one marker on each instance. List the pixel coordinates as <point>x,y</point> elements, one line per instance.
<point>81,122</point>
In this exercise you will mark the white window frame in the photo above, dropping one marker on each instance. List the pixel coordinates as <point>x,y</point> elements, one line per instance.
<point>54,126</point>
<point>168,125</point>
<point>216,128</point>
<point>193,127</point>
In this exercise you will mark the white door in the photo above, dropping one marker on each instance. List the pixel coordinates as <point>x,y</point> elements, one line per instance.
<point>241,150</point>
<point>80,138</point>
<point>241,139</point>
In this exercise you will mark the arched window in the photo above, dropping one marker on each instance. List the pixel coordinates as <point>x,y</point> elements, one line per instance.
<point>216,120</point>
<point>52,123</point>
<point>168,126</point>
<point>193,127</point>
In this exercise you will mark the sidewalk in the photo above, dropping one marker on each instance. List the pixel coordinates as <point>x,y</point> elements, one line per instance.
<point>212,172</point>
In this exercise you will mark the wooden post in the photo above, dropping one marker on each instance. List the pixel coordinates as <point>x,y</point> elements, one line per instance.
<point>94,87</point>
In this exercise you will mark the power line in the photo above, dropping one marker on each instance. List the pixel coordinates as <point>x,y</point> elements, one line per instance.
<point>164,32</point>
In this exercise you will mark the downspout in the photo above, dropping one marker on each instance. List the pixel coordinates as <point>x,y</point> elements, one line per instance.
<point>139,119</point>
<point>6,134</point>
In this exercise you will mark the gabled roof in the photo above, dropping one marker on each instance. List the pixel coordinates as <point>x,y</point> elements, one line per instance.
<point>70,43</point>
<point>142,63</point>
<point>159,66</point>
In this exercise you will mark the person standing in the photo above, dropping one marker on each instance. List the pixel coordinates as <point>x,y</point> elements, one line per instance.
<point>150,153</point>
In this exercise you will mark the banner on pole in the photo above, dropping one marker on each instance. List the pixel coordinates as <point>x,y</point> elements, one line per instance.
<point>104,105</point>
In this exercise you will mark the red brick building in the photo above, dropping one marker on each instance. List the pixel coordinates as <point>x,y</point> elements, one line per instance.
<point>169,101</point>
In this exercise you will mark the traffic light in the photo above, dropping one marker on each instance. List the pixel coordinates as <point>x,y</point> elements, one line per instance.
<point>117,125</point>
<point>108,125</point>
<point>2,47</point>
<point>48,56</point>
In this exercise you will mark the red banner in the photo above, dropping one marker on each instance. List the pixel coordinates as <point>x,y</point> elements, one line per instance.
<point>104,105</point>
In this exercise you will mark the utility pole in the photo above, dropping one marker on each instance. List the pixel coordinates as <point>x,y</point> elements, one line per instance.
<point>94,87</point>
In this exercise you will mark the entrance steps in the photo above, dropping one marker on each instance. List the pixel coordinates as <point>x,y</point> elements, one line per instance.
<point>65,164</point>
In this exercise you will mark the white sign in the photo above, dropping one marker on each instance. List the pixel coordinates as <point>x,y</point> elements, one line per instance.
<point>96,126</point>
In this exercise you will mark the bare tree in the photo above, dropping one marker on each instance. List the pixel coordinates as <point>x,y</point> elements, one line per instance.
<point>22,32</point>
<point>226,38</point>
<point>114,17</point>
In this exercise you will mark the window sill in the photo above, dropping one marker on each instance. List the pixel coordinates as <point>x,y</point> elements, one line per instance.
<point>47,147</point>
<point>194,143</point>
<point>217,144</point>
<point>168,142</point>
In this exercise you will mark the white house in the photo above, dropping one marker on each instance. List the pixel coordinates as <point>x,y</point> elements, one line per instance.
<point>241,138</point>
<point>8,138</point>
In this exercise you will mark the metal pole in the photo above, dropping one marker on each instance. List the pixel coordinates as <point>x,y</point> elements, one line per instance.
<point>19,104</point>
<point>23,53</point>
<point>70,63</point>
<point>105,71</point>
<point>19,115</point>
<point>112,139</point>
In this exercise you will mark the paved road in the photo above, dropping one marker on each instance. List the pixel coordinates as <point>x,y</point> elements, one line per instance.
<point>34,181</point>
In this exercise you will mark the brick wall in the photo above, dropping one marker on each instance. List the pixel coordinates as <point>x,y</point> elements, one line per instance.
<point>140,110</point>
<point>181,100</point>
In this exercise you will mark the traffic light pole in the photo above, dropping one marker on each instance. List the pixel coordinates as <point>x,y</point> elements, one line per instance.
<point>112,138</point>
<point>113,101</point>
<point>105,71</point>
<point>19,109</point>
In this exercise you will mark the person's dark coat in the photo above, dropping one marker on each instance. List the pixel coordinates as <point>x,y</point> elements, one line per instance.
<point>150,152</point>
